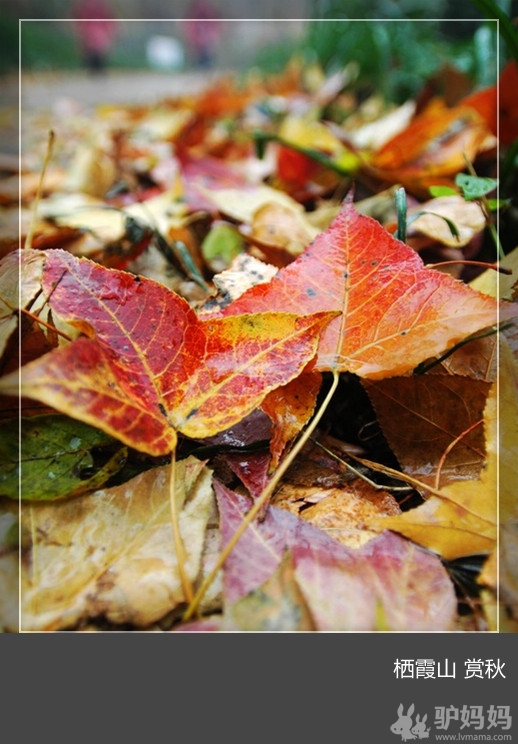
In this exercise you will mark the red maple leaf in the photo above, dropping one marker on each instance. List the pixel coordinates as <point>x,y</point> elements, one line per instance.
<point>147,367</point>
<point>394,311</point>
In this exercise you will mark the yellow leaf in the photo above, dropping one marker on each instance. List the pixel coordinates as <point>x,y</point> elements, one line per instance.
<point>499,285</point>
<point>310,133</point>
<point>505,570</point>
<point>111,553</point>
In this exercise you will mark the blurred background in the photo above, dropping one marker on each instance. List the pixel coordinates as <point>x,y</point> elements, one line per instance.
<point>396,43</point>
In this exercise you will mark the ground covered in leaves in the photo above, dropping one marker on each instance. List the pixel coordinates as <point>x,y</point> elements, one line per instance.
<point>263,341</point>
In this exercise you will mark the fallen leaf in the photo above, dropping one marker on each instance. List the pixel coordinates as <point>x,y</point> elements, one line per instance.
<point>463,520</point>
<point>373,135</point>
<point>277,605</point>
<point>77,566</point>
<point>468,218</point>
<point>290,407</point>
<point>253,470</point>
<point>433,148</point>
<point>499,285</point>
<point>244,272</point>
<point>279,233</point>
<point>344,512</point>
<point>100,223</point>
<point>221,245</point>
<point>501,573</point>
<point>241,203</point>
<point>477,359</point>
<point>9,569</point>
<point>20,282</point>
<point>389,580</point>
<point>508,110</point>
<point>424,415</point>
<point>394,312</point>
<point>497,104</point>
<point>141,386</point>
<point>56,458</point>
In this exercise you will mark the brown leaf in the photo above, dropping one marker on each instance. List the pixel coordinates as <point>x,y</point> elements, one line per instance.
<point>463,520</point>
<point>424,415</point>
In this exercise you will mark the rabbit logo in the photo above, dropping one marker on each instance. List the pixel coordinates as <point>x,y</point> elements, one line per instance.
<point>403,725</point>
<point>419,727</point>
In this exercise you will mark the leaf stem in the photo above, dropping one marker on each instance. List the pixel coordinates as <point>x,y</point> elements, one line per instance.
<point>262,499</point>
<point>38,320</point>
<point>178,542</point>
<point>426,366</point>
<point>358,473</point>
<point>449,449</point>
<point>417,484</point>
<point>46,160</point>
<point>482,264</point>
<point>483,203</point>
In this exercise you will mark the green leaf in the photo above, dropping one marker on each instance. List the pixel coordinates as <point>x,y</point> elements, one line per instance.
<point>222,244</point>
<point>496,204</point>
<point>442,191</point>
<point>475,187</point>
<point>58,457</point>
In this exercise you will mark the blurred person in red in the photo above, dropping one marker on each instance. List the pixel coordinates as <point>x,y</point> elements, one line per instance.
<point>202,30</point>
<point>96,28</point>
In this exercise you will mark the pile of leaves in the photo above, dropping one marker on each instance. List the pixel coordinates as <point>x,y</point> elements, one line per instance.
<point>263,348</point>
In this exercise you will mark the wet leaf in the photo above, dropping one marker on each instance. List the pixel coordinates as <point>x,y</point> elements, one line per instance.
<point>463,521</point>
<point>290,407</point>
<point>78,566</point>
<point>142,386</point>
<point>58,457</point>
<point>423,416</point>
<point>394,311</point>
